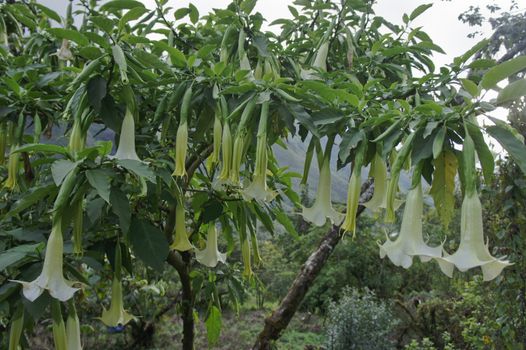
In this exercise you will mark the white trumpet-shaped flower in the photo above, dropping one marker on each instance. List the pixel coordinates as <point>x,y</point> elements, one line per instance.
<point>322,208</point>
<point>181,147</point>
<point>320,63</point>
<point>64,53</point>
<point>210,256</point>
<point>181,242</point>
<point>116,317</point>
<point>472,251</point>
<point>258,189</point>
<point>410,241</point>
<point>126,149</point>
<point>73,329</point>
<point>51,278</point>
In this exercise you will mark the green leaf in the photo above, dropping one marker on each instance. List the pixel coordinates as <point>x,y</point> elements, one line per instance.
<point>485,156</point>
<point>502,71</point>
<point>438,143</point>
<point>60,169</point>
<point>138,168</point>
<point>512,92</point>
<point>100,180</point>
<point>176,56</point>
<point>515,148</point>
<point>467,55</point>
<point>111,115</point>
<point>17,254</point>
<point>120,205</point>
<point>419,10</point>
<point>31,197</point>
<point>261,44</point>
<point>213,326</point>
<point>48,12</point>
<point>148,243</point>
<point>284,220</point>
<point>443,186</point>
<point>103,23</point>
<point>96,91</point>
<point>42,147</point>
<point>180,13</point>
<point>470,87</point>
<point>212,210</point>
<point>69,34</point>
<point>132,15</point>
<point>120,5</point>
<point>194,13</point>
<point>151,60</point>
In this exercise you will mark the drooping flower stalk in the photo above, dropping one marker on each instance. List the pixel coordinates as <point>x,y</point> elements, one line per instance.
<point>353,192</point>
<point>17,326</point>
<point>322,208</point>
<point>181,138</point>
<point>59,329</point>
<point>472,250</point>
<point>126,149</point>
<point>116,317</point>
<point>181,242</point>
<point>51,278</point>
<point>258,189</point>
<point>73,328</point>
<point>239,142</point>
<point>410,240</point>
<point>210,256</point>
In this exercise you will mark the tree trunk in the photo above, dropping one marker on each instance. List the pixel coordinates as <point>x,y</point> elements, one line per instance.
<point>280,318</point>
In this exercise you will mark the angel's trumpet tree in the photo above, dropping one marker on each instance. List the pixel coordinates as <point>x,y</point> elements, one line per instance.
<point>210,256</point>
<point>472,251</point>
<point>322,208</point>
<point>258,189</point>
<point>51,277</point>
<point>73,329</point>
<point>126,149</point>
<point>181,242</point>
<point>116,317</point>
<point>410,241</point>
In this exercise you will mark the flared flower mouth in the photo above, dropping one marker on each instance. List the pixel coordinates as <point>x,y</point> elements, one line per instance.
<point>126,149</point>
<point>181,147</point>
<point>181,242</point>
<point>258,190</point>
<point>410,241</point>
<point>210,256</point>
<point>472,251</point>
<point>64,53</point>
<point>51,277</point>
<point>322,208</point>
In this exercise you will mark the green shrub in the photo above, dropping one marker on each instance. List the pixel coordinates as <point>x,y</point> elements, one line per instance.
<point>359,321</point>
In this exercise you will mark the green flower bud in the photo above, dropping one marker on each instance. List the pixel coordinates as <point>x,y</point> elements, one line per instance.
<point>181,242</point>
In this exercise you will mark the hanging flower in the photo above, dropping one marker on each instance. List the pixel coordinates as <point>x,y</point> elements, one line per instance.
<point>258,189</point>
<point>237,155</point>
<point>73,329</point>
<point>181,146</point>
<point>322,208</point>
<point>17,326</point>
<point>116,317</point>
<point>126,149</point>
<point>210,256</point>
<point>59,330</point>
<point>64,53</point>
<point>320,63</point>
<point>181,242</point>
<point>379,174</point>
<point>218,131</point>
<point>226,153</point>
<point>12,171</point>
<point>245,254</point>
<point>410,241</point>
<point>353,197</point>
<point>472,251</point>
<point>51,278</point>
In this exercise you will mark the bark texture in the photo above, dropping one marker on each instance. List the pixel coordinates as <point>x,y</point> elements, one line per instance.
<point>280,318</point>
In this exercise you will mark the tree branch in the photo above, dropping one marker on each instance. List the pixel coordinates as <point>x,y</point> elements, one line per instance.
<point>280,318</point>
